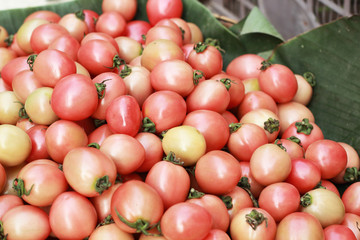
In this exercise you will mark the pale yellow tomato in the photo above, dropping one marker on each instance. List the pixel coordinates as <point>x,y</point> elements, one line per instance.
<point>9,108</point>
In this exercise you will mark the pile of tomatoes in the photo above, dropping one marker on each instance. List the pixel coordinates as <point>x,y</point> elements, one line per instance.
<point>116,128</point>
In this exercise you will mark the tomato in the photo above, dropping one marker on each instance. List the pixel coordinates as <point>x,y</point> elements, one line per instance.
<point>209,61</point>
<point>62,136</point>
<point>99,134</point>
<point>100,36</point>
<point>37,137</point>
<point>353,162</point>
<point>160,9</point>
<point>12,68</point>
<point>211,125</point>
<point>11,174</point>
<point>44,14</point>
<point>3,86</point>
<point>186,142</point>
<point>25,83</point>
<point>10,106</point>
<point>184,27</point>
<point>125,7</point>
<point>40,182</point>
<point>265,119</point>
<point>7,55</point>
<point>217,172</point>
<point>3,35</point>
<point>325,205</point>
<point>160,50</point>
<point>72,216</point>
<point>170,180</point>
<point>270,164</point>
<point>123,115</point>
<point>244,139</point>
<point>196,34</point>
<point>129,48</point>
<point>239,199</point>
<point>251,84</point>
<point>330,186</point>
<point>299,225</point>
<point>67,44</point>
<point>25,31</point>
<point>3,178</point>
<point>135,29</point>
<point>305,90</point>
<point>305,130</point>
<point>44,34</point>
<point>229,117</point>
<point>245,66</point>
<point>278,81</point>
<point>153,150</point>
<point>16,48</point>
<point>292,148</point>
<point>74,98</point>
<point>15,145</point>
<point>166,109</point>
<point>255,187</point>
<point>279,200</point>
<point>8,202</point>
<point>351,202</point>
<point>164,32</point>
<point>125,151</point>
<point>110,232</point>
<point>15,223</point>
<point>217,209</point>
<point>138,204</point>
<point>80,69</point>
<point>97,56</point>
<point>75,24</point>
<point>90,19</point>
<point>255,100</point>
<point>328,155</point>
<point>186,221</point>
<point>109,86</point>
<point>252,223</point>
<point>210,95</point>
<point>351,220</point>
<point>304,175</point>
<point>338,232</point>
<point>111,22</point>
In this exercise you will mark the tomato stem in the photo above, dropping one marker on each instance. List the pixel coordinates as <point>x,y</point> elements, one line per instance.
<point>106,221</point>
<point>227,201</point>
<point>255,218</point>
<point>182,33</point>
<point>9,40</point>
<point>102,184</point>
<point>234,127</point>
<point>19,187</point>
<point>173,159</point>
<point>272,125</point>
<point>304,126</point>
<point>2,234</point>
<point>280,145</point>
<point>310,78</point>
<point>351,174</point>
<point>244,184</point>
<point>306,200</point>
<point>117,62</point>
<point>30,61</point>
<point>94,145</point>
<point>126,71</point>
<point>200,47</point>
<point>227,82</point>
<point>265,65</point>
<point>295,139</point>
<point>100,88</point>
<point>148,125</point>
<point>193,193</point>
<point>80,15</point>
<point>99,122</point>
<point>197,75</point>
<point>22,112</point>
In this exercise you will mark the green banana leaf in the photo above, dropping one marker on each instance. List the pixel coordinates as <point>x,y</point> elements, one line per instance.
<point>331,52</point>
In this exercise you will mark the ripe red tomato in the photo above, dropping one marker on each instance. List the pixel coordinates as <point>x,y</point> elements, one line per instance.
<point>44,14</point>
<point>153,150</point>
<point>351,202</point>
<point>24,83</point>
<point>127,8</point>
<point>338,232</point>
<point>351,220</point>
<point>164,32</point>
<point>160,9</point>
<point>186,221</point>
<point>136,202</point>
<point>239,199</point>
<point>75,24</point>
<point>12,68</point>
<point>37,136</point>
<point>67,44</point>
<point>25,31</point>
<point>90,19</point>
<point>3,177</point>
<point>135,29</point>
<point>353,162</point>
<point>292,148</point>
<point>255,100</point>
<point>255,187</point>
<point>7,202</point>
<point>245,66</point>
<point>111,22</point>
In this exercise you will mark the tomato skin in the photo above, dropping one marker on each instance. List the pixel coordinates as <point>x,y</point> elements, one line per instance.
<point>100,36</point>
<point>292,148</point>
<point>12,68</point>
<point>10,106</point>
<point>153,150</point>
<point>90,19</point>
<point>68,214</point>
<point>24,83</point>
<point>240,229</point>
<point>211,125</point>
<point>305,91</point>
<point>38,149</point>
<point>215,234</point>
<point>352,161</point>
<point>255,187</point>
<point>125,7</point>
<point>186,221</point>
<point>99,134</point>
<point>74,98</point>
<point>110,232</point>
<point>135,200</point>
<point>76,26</point>
<point>163,32</point>
<point>330,186</point>
<point>3,178</point>
<point>171,181</point>
<point>67,44</point>
<point>351,221</point>
<point>217,172</point>
<point>299,225</point>
<point>123,115</point>
<point>329,156</point>
<point>351,202</point>
<point>196,33</point>
<point>135,29</point>
<point>240,199</point>
<point>16,223</point>
<point>7,54</point>
<point>160,9</point>
<point>3,86</point>
<point>338,232</point>
<point>62,136</point>
<point>245,66</point>
<point>25,31</point>
<point>8,202</point>
<point>255,100</point>
<point>44,14</point>
<point>112,23</point>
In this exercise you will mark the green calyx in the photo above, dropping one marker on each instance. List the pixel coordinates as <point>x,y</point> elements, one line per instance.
<point>80,15</point>
<point>255,218</point>
<point>30,61</point>
<point>94,145</point>
<point>9,40</point>
<point>19,187</point>
<point>173,159</point>
<point>126,71</point>
<point>234,127</point>
<point>197,75</point>
<point>227,83</point>
<point>244,184</point>
<point>227,201</point>
<point>280,145</point>
<point>193,193</point>
<point>148,125</point>
<point>101,88</point>
<point>304,126</point>
<point>310,78</point>
<point>102,184</point>
<point>295,140</point>
<point>107,220</point>
<point>200,47</point>
<point>272,125</point>
<point>351,174</point>
<point>265,65</point>
<point>306,200</point>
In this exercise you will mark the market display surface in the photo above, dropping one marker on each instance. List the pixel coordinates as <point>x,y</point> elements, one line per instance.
<point>125,119</point>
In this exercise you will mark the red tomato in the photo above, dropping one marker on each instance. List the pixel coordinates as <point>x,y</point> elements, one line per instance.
<point>67,44</point>
<point>3,86</point>
<point>170,180</point>
<point>328,155</point>
<point>6,55</point>
<point>123,115</point>
<point>24,83</point>
<point>270,164</point>
<point>252,223</point>
<point>350,199</point>
<point>338,232</point>
<point>111,22</point>
<point>244,139</point>
<point>164,32</point>
<point>245,66</point>
<point>215,234</point>
<point>255,100</point>
<point>217,209</point>
<point>255,187</point>
<point>229,117</point>
<point>72,216</point>
<point>299,225</point>
<point>16,223</point>
<point>330,186</point>
<point>239,199</point>
<point>75,24</point>
<point>126,152</point>
<point>352,220</point>
<point>44,14</point>
<point>160,9</point>
<point>217,172</point>
<point>153,150</point>
<point>3,177</point>
<point>25,31</point>
<point>37,136</point>
<point>135,29</point>
<point>99,134</point>
<point>110,231</point>
<point>210,95</point>
<point>51,65</point>
<point>8,202</point>
<point>40,182</point>
<point>166,109</point>
<point>90,19</point>
<point>211,125</point>
<point>100,36</point>
<point>127,8</point>
<point>304,175</point>
<point>186,221</point>
<point>292,148</point>
<point>136,202</point>
<point>353,162</point>
<point>184,27</point>
<point>62,136</point>
<point>279,200</point>
<point>278,81</point>
<point>12,68</point>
